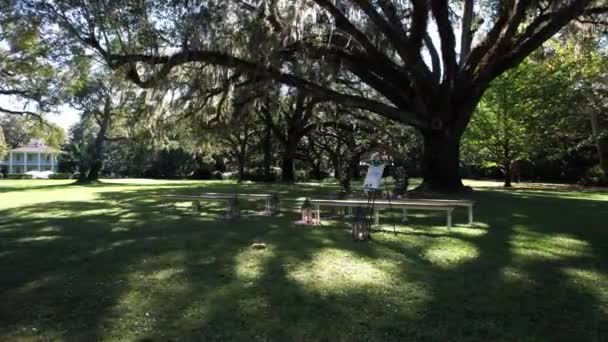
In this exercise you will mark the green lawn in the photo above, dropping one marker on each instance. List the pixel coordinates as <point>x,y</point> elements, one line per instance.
<point>108,262</point>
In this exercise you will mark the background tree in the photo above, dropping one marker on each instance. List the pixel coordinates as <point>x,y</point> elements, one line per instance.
<point>16,130</point>
<point>29,81</point>
<point>382,44</point>
<point>291,121</point>
<point>497,133</point>
<point>20,130</point>
<point>3,145</point>
<point>104,100</point>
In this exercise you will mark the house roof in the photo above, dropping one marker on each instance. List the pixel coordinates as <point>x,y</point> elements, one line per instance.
<point>36,146</point>
<point>36,149</point>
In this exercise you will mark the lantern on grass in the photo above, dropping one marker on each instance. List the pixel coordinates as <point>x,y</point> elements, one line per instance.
<point>198,205</point>
<point>234,208</point>
<point>307,213</point>
<point>361,227</point>
<point>274,204</point>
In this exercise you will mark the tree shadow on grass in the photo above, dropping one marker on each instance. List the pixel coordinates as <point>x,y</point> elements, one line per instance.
<point>124,267</point>
<point>504,294</point>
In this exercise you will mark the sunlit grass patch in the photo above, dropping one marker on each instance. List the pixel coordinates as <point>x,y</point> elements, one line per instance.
<point>594,280</point>
<point>545,246</point>
<point>250,263</point>
<point>335,269</point>
<point>451,253</point>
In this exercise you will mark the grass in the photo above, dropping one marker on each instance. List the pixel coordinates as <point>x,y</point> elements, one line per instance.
<point>108,262</point>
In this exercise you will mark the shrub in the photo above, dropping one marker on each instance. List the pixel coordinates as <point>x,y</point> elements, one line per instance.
<point>230,175</point>
<point>301,175</point>
<point>258,175</point>
<point>19,176</point>
<point>594,177</point>
<point>60,176</point>
<point>203,172</point>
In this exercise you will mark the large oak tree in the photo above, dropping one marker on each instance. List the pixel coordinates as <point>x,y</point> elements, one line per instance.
<point>423,63</point>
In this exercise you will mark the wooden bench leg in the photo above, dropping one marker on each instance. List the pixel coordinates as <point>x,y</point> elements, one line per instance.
<point>234,209</point>
<point>197,205</point>
<point>404,218</point>
<point>449,219</point>
<point>470,215</point>
<point>268,211</point>
<point>228,210</point>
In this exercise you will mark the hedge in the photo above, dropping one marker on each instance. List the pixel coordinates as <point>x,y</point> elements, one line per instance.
<point>59,176</point>
<point>18,176</point>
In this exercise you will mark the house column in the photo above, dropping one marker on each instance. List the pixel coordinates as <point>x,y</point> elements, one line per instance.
<point>24,162</point>
<point>10,162</point>
<point>39,169</point>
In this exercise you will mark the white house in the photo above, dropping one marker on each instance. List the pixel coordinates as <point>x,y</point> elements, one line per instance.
<point>35,156</point>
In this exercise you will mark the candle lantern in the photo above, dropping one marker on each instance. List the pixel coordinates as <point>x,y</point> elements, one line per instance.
<point>361,227</point>
<point>274,204</point>
<point>234,208</point>
<point>307,213</point>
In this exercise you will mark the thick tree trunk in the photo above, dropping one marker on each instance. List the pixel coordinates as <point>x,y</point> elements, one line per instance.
<point>94,171</point>
<point>440,164</point>
<point>287,168</point>
<point>601,144</point>
<point>316,170</point>
<point>266,146</point>
<point>354,167</point>
<point>241,167</point>
<point>336,163</point>
<point>289,156</point>
<point>508,174</point>
<point>83,172</point>
<point>96,162</point>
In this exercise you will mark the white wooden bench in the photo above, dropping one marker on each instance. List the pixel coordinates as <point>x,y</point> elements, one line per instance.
<point>447,207</point>
<point>269,199</point>
<point>456,203</point>
<point>227,199</point>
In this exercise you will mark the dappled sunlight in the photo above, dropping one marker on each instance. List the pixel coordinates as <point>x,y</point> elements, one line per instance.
<point>50,230</point>
<point>113,245</point>
<point>593,281</point>
<point>250,263</point>
<point>38,284</point>
<point>336,270</point>
<point>557,194</point>
<point>548,246</point>
<point>478,228</point>
<point>449,253</point>
<point>167,273</point>
<point>516,275</point>
<point>22,199</point>
<point>44,238</point>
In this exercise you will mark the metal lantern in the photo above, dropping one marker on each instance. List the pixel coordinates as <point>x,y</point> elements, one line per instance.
<point>274,204</point>
<point>234,208</point>
<point>361,227</point>
<point>307,213</point>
